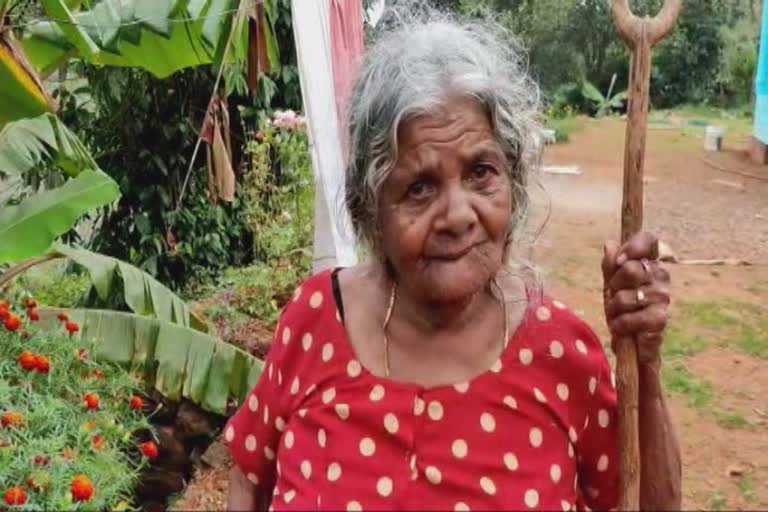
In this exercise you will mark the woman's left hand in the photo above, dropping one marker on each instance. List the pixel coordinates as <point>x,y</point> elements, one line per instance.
<point>636,293</point>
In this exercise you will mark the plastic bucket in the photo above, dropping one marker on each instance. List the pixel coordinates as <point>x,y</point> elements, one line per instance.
<point>713,138</point>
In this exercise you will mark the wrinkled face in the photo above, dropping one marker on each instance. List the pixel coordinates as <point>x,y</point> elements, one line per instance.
<point>444,210</point>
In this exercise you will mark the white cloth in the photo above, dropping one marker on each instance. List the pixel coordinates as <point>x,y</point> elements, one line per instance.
<point>334,243</point>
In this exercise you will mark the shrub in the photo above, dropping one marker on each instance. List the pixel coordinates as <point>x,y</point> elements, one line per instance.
<point>69,437</point>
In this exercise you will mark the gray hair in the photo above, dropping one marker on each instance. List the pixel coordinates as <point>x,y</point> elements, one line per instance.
<point>413,69</point>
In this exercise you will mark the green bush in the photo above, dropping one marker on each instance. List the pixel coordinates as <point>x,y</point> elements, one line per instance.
<point>52,284</point>
<point>49,435</point>
<point>279,193</point>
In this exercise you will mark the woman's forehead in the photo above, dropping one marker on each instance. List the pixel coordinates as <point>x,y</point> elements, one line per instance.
<point>461,126</point>
<point>456,121</point>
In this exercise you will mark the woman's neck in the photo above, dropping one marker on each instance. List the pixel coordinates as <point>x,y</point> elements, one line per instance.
<point>433,316</point>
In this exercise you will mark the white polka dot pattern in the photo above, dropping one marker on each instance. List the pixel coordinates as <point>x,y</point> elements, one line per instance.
<point>306,341</point>
<point>434,476</point>
<point>384,486</point>
<point>511,462</point>
<point>342,427</point>
<point>556,349</point>
<point>459,448</point>
<point>334,472</point>
<point>390,423</point>
<point>435,410</point>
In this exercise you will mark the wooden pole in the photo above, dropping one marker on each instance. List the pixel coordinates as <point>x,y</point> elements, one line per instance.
<point>639,35</point>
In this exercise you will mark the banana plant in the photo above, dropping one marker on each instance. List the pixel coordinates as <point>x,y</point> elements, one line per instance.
<point>23,92</point>
<point>603,104</point>
<point>177,361</point>
<point>28,228</point>
<point>160,36</point>
<point>141,292</point>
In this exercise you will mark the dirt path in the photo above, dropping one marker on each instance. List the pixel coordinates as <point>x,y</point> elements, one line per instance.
<point>716,367</point>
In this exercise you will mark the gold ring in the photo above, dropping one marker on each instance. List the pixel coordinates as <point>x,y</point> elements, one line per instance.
<point>640,297</point>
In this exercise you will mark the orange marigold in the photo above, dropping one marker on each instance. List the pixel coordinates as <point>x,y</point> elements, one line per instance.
<point>81,488</point>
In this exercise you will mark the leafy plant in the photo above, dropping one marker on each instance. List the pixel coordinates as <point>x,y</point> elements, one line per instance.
<point>603,104</point>
<point>52,284</point>
<point>30,227</point>
<point>121,284</point>
<point>162,36</point>
<point>278,191</point>
<point>177,361</point>
<point>49,436</point>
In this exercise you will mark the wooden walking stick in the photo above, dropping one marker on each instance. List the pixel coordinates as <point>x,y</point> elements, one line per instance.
<point>639,35</point>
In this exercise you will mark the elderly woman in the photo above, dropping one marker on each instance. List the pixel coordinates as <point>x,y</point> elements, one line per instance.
<point>438,375</point>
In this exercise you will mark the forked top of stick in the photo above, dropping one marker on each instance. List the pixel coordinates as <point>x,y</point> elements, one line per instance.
<point>630,27</point>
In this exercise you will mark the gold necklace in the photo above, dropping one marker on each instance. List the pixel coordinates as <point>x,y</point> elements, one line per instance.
<point>391,307</point>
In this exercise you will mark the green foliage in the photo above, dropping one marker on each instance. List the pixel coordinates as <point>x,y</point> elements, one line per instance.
<point>603,104</point>
<point>717,501</point>
<point>679,379</point>
<point>57,427</point>
<point>142,293</point>
<point>29,228</point>
<point>143,131</point>
<point>564,127</point>
<point>739,60</point>
<point>747,487</point>
<point>175,360</point>
<point>261,290</point>
<point>52,284</point>
<point>29,143</point>
<point>161,36</point>
<point>278,190</point>
<point>733,420</point>
<point>708,57</point>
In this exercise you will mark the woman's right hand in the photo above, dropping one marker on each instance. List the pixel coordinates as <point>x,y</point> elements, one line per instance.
<point>243,495</point>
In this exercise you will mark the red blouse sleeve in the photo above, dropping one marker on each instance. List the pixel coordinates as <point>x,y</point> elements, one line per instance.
<point>254,432</point>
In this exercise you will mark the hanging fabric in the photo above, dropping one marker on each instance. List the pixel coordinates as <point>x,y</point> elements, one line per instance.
<point>347,47</point>
<point>258,61</point>
<point>334,243</point>
<point>215,132</point>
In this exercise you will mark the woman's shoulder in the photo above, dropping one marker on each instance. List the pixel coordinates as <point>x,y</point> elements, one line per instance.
<point>312,297</point>
<point>561,332</point>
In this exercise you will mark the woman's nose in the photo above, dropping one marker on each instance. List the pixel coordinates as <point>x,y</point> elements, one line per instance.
<point>458,215</point>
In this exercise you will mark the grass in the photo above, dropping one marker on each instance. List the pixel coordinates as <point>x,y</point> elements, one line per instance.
<point>680,343</point>
<point>753,342</point>
<point>731,324</point>
<point>733,420</point>
<point>747,487</point>
<point>737,122</point>
<point>679,379</point>
<point>696,326</point>
<point>716,501</point>
<point>51,284</point>
<point>564,127</point>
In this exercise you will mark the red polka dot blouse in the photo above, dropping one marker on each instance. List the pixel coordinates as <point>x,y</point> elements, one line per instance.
<point>537,431</point>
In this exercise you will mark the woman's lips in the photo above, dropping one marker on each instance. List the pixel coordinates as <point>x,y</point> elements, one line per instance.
<point>453,255</point>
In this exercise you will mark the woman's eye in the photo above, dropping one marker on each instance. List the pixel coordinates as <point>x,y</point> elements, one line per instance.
<point>419,190</point>
<point>481,172</point>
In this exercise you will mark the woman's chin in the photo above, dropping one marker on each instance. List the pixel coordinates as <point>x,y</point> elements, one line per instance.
<point>455,280</point>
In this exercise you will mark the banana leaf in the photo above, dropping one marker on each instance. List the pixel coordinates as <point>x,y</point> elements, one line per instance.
<point>590,92</point>
<point>22,93</point>
<point>29,228</point>
<point>180,362</point>
<point>160,36</point>
<point>144,294</point>
<point>58,10</point>
<point>28,143</point>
